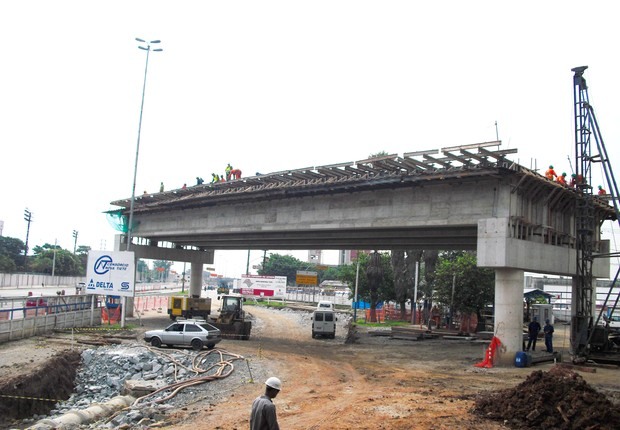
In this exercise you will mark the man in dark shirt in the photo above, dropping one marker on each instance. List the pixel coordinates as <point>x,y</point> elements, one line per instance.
<point>263,416</point>
<point>532,330</point>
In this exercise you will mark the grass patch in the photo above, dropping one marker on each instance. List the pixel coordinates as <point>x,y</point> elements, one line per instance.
<point>362,323</point>
<point>265,304</point>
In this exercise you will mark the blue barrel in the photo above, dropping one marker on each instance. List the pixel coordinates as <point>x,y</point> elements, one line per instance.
<point>523,359</point>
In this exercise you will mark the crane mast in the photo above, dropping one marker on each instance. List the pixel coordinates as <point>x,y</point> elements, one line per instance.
<point>587,133</point>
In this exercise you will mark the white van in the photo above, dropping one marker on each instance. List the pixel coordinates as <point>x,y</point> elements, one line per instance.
<point>325,305</point>
<point>324,323</point>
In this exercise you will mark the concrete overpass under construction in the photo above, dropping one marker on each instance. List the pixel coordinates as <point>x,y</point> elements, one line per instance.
<point>458,198</point>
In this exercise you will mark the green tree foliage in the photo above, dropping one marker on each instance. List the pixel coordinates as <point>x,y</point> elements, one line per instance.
<point>162,269</point>
<point>11,254</point>
<point>283,265</point>
<point>65,264</point>
<point>474,287</point>
<point>403,269</point>
<point>287,265</point>
<point>385,289</point>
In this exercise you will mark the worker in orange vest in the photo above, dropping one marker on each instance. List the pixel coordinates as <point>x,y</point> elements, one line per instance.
<point>601,191</point>
<point>562,179</point>
<point>550,173</point>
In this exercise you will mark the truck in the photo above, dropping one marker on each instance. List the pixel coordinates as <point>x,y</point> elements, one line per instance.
<point>231,319</point>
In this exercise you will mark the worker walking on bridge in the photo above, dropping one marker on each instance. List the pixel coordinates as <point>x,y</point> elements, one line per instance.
<point>263,416</point>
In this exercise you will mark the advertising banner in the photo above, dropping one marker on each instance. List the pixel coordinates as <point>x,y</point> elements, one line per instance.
<point>110,273</point>
<point>263,286</point>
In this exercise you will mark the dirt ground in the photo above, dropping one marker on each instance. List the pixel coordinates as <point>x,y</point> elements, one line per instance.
<point>375,383</point>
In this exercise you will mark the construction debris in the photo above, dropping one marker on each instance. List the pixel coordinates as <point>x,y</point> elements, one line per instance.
<point>558,399</point>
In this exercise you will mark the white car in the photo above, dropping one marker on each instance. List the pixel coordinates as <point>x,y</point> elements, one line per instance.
<point>325,305</point>
<point>190,332</point>
<point>614,322</point>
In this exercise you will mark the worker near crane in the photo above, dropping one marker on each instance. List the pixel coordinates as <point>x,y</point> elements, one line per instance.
<point>562,179</point>
<point>550,173</point>
<point>532,334</point>
<point>263,416</point>
<point>601,191</point>
<point>548,330</point>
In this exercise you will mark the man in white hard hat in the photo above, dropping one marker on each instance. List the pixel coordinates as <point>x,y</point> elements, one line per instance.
<point>263,415</point>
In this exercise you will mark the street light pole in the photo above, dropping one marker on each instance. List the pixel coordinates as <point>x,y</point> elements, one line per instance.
<point>54,260</point>
<point>27,218</point>
<point>148,49</point>
<point>75,236</point>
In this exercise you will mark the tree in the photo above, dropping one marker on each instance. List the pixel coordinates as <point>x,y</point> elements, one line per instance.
<point>385,291</point>
<point>11,253</point>
<point>474,287</point>
<point>162,267</point>
<point>403,269</point>
<point>65,263</point>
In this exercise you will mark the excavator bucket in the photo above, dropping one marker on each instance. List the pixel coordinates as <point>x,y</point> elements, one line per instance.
<point>239,330</point>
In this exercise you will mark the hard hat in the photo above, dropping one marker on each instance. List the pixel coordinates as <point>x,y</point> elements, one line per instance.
<point>274,383</point>
<point>563,173</point>
<point>551,166</point>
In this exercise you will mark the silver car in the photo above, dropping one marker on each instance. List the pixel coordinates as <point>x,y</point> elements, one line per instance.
<point>194,333</point>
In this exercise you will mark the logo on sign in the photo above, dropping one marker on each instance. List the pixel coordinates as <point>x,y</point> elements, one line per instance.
<point>102,265</point>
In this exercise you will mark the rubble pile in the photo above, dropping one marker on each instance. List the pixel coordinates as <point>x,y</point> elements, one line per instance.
<point>557,399</point>
<point>103,372</point>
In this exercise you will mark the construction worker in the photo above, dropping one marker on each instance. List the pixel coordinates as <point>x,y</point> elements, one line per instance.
<point>532,331</point>
<point>573,180</point>
<point>227,171</point>
<point>161,187</point>
<point>550,173</point>
<point>562,179</point>
<point>263,416</point>
<point>601,190</point>
<point>548,329</point>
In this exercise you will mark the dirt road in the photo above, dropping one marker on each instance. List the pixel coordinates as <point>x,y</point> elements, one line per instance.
<point>375,383</point>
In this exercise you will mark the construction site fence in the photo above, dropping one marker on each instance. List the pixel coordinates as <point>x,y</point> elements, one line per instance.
<point>151,303</point>
<point>19,320</point>
<point>29,280</point>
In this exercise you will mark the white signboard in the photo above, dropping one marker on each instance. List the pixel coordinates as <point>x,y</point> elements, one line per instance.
<point>111,273</point>
<point>262,286</point>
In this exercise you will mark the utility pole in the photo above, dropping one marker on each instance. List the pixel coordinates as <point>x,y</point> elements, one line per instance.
<point>75,236</point>
<point>28,219</point>
<point>54,259</point>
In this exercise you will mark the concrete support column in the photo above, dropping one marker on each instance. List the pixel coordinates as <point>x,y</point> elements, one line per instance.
<point>509,313</point>
<point>195,280</point>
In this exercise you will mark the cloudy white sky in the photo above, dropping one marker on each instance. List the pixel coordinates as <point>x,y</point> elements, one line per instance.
<point>277,85</point>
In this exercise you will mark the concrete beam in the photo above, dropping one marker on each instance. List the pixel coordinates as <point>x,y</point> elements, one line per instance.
<point>497,249</point>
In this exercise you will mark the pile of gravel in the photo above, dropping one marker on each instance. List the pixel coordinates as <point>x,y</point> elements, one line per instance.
<point>104,371</point>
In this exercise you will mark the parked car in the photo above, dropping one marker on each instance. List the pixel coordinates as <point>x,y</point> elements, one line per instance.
<point>325,305</point>
<point>191,332</point>
<point>614,322</point>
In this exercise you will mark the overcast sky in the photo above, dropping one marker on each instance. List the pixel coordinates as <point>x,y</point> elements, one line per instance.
<point>277,85</point>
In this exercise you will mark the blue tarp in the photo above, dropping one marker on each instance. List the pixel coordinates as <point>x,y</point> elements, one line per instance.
<point>364,305</point>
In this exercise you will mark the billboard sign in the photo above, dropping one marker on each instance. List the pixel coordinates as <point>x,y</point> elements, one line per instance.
<point>262,286</point>
<point>306,278</point>
<point>111,273</point>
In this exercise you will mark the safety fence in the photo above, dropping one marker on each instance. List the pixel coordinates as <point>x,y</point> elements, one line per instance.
<point>22,318</point>
<point>151,303</point>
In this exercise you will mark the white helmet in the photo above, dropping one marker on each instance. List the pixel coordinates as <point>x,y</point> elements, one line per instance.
<point>274,383</point>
